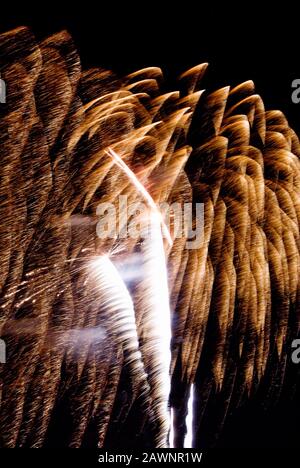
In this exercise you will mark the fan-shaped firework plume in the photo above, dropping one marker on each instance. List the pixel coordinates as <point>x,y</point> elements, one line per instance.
<point>86,319</point>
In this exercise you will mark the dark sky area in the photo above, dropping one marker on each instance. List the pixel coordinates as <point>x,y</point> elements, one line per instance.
<point>240,43</point>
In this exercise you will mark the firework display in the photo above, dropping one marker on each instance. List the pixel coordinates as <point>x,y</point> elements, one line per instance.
<point>112,337</point>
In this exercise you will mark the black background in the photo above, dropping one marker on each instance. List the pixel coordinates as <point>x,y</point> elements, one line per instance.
<point>240,43</point>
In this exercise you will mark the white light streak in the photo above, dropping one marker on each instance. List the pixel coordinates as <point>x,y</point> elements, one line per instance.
<point>188,441</point>
<point>140,188</point>
<point>116,302</point>
<point>172,422</point>
<point>157,325</point>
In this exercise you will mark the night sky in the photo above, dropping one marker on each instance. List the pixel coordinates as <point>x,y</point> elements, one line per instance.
<point>239,44</point>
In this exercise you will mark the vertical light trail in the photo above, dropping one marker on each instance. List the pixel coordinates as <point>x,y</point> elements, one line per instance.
<point>157,323</point>
<point>157,315</point>
<point>116,302</point>
<point>188,440</point>
<point>172,422</point>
